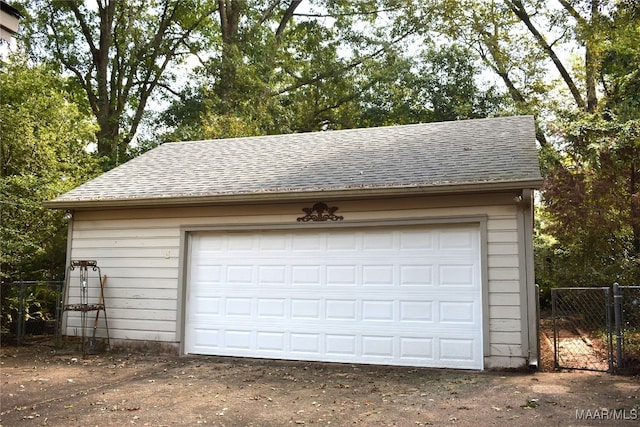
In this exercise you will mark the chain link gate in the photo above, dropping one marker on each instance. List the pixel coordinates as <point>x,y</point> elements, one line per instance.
<point>582,332</point>
<point>627,321</point>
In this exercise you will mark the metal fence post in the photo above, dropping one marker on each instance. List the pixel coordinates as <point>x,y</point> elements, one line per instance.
<point>617,310</point>
<point>554,303</point>
<point>58,315</point>
<point>539,354</point>
<point>607,308</point>
<point>20,326</point>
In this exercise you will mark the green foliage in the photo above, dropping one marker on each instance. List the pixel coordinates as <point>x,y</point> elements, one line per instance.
<point>120,53</point>
<point>280,67</point>
<point>440,84</point>
<point>574,65</point>
<point>592,196</point>
<point>593,205</point>
<point>620,56</point>
<point>38,303</point>
<point>45,135</point>
<point>342,66</point>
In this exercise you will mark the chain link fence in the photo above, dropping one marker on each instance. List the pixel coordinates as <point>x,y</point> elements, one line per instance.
<point>627,320</point>
<point>30,311</point>
<point>582,328</point>
<point>590,325</point>
<point>597,329</point>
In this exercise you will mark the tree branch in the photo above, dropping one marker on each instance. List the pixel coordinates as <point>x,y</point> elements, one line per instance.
<point>518,9</point>
<point>348,67</point>
<point>267,13</point>
<point>334,15</point>
<point>288,14</point>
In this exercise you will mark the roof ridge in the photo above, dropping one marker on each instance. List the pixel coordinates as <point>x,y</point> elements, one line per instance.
<point>358,129</point>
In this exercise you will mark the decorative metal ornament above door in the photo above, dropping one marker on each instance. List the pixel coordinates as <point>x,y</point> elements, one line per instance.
<point>320,212</point>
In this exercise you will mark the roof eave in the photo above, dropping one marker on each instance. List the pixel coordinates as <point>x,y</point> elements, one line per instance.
<point>6,7</point>
<point>267,197</point>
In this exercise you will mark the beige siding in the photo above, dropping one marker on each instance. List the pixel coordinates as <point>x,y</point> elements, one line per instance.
<point>139,250</point>
<point>141,263</point>
<point>506,325</point>
<point>503,286</point>
<point>504,290</point>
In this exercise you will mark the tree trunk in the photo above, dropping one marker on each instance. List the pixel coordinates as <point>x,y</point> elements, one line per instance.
<point>109,142</point>
<point>229,11</point>
<point>591,63</point>
<point>635,207</point>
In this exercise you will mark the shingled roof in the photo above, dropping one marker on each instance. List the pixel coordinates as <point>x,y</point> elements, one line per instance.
<point>447,157</point>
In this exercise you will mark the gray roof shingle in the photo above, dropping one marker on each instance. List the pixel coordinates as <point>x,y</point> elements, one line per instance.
<point>483,153</point>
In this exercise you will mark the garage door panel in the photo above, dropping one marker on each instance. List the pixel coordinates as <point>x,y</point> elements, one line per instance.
<point>376,308</point>
<point>416,275</point>
<point>307,242</point>
<point>341,242</point>
<point>456,240</point>
<point>206,306</point>
<point>341,275</point>
<point>306,343</point>
<point>238,307</point>
<point>271,308</point>
<point>341,345</point>
<point>377,346</point>
<point>272,243</point>
<point>413,311</point>
<point>204,338</point>
<point>237,339</point>
<point>270,341</point>
<point>340,310</point>
<point>272,274</point>
<point>458,312</point>
<point>404,296</point>
<point>305,275</point>
<point>457,275</point>
<point>374,241</point>
<point>416,240</point>
<point>302,308</point>
<point>239,274</point>
<point>417,348</point>
<point>454,351</point>
<point>457,349</point>
<point>242,243</point>
<point>378,275</point>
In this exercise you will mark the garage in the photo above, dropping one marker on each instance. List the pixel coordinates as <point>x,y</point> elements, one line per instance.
<point>389,295</point>
<point>401,245</point>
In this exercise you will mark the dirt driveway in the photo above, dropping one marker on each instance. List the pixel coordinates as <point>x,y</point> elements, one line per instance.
<point>41,386</point>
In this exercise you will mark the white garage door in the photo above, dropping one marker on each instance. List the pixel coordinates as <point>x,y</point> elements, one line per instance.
<point>397,296</point>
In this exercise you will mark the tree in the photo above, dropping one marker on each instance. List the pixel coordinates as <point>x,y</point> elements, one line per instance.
<point>438,84</point>
<point>573,64</point>
<point>45,135</point>
<point>588,127</point>
<point>338,64</point>
<point>253,51</point>
<point>496,35</point>
<point>120,52</point>
<point>594,199</point>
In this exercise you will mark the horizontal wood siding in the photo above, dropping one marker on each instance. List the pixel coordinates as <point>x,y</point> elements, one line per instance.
<point>141,263</point>
<point>505,312</point>
<point>139,252</point>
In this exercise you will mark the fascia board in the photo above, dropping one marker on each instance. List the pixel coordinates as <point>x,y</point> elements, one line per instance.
<point>358,193</point>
